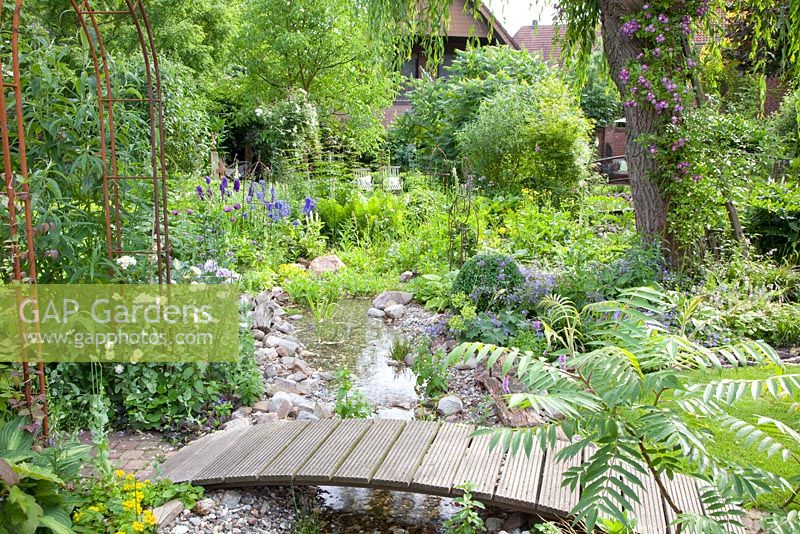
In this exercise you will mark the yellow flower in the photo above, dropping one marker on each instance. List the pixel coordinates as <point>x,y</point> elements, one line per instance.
<point>77,516</point>
<point>129,476</point>
<point>120,473</point>
<point>149,517</point>
<point>94,509</point>
<point>132,505</point>
<point>138,527</point>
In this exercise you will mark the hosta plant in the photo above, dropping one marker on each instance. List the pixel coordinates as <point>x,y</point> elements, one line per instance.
<point>622,398</point>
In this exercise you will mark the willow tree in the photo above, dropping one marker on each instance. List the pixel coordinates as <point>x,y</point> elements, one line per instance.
<point>647,45</point>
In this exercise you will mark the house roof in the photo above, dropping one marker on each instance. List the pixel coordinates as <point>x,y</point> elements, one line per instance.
<point>462,23</point>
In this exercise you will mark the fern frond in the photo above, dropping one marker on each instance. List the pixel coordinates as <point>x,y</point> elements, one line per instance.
<point>730,391</point>
<point>750,435</point>
<point>782,522</point>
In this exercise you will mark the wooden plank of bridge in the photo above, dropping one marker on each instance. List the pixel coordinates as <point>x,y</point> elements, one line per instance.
<point>683,491</point>
<point>215,473</point>
<point>286,464</point>
<point>480,467</point>
<point>320,468</point>
<point>520,477</point>
<point>406,454</point>
<point>650,509</point>
<point>440,465</point>
<point>282,437</point>
<point>184,465</point>
<point>366,458</point>
<point>553,497</point>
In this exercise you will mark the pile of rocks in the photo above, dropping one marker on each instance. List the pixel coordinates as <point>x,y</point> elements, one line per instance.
<point>294,389</point>
<point>390,305</point>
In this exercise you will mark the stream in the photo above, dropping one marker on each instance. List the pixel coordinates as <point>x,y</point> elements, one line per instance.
<point>362,344</point>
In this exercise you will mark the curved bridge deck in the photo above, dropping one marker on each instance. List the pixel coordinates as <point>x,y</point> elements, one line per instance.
<point>416,456</point>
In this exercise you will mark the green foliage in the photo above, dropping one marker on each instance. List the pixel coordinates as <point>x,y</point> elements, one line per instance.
<point>483,276</point>
<point>466,520</point>
<point>619,385</point>
<point>400,348</point>
<point>33,485</point>
<point>773,219</point>
<point>543,143</point>
<point>350,403</point>
<point>323,49</point>
<point>443,106</point>
<point>725,155</point>
<point>785,126</point>
<point>434,290</point>
<point>431,371</point>
<point>600,100</point>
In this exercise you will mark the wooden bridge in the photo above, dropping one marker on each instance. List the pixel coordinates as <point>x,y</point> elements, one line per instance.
<point>417,456</point>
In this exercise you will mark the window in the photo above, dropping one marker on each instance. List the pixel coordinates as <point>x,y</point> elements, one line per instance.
<point>442,69</point>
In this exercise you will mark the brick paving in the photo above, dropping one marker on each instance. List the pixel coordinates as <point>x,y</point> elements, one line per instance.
<point>134,452</point>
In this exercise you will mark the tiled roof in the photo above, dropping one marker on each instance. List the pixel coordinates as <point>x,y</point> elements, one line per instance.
<point>463,24</point>
<point>539,40</point>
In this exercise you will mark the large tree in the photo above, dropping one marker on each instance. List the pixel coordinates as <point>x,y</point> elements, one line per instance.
<point>322,47</point>
<point>581,19</point>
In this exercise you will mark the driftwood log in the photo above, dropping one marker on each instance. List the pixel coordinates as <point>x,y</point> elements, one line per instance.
<point>492,380</point>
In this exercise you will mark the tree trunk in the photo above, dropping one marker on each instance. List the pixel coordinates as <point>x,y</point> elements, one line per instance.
<point>649,203</point>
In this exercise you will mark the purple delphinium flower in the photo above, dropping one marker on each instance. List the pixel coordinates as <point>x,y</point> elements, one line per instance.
<point>562,362</point>
<point>506,388</point>
<point>663,19</point>
<point>200,194</point>
<point>308,206</point>
<point>683,167</point>
<point>697,178</point>
<point>650,28</point>
<point>237,206</point>
<point>652,149</point>
<point>233,218</point>
<point>223,185</point>
<point>630,27</point>
<point>189,212</point>
<point>656,52</point>
<point>227,209</point>
<point>237,184</point>
<point>624,76</point>
<point>208,180</point>
<point>661,105</point>
<point>174,212</point>
<point>660,38</point>
<point>295,223</point>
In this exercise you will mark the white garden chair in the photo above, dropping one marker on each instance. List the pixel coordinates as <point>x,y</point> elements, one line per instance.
<point>363,179</point>
<point>391,179</point>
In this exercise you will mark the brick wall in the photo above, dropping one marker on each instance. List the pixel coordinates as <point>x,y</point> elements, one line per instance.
<point>611,141</point>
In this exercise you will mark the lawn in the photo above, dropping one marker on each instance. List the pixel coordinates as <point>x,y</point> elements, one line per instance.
<point>728,447</point>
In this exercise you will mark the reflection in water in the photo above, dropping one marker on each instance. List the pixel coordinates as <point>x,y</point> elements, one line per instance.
<point>354,341</point>
<point>377,509</point>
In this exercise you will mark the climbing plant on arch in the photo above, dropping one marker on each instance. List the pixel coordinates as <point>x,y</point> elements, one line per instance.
<point>16,190</point>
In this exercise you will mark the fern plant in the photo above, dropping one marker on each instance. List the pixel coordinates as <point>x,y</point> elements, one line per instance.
<point>619,394</point>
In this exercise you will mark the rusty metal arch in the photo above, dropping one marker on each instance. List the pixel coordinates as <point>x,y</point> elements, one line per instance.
<point>19,191</point>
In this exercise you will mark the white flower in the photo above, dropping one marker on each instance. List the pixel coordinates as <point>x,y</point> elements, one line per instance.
<point>177,264</point>
<point>195,270</point>
<point>259,112</point>
<point>118,369</point>
<point>126,261</point>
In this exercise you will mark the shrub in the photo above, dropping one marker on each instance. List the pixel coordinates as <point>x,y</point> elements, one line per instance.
<point>773,219</point>
<point>484,275</point>
<point>543,142</point>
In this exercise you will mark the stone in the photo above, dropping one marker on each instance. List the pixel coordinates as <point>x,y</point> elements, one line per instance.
<point>409,359</point>
<point>493,524</point>
<point>180,529</point>
<point>471,363</point>
<point>449,405</point>
<point>280,342</point>
<point>258,335</point>
<point>233,424</point>
<point>261,406</point>
<point>231,498</point>
<point>297,377</point>
<point>376,313</point>
<point>395,413</point>
<point>286,328</point>
<point>265,418</point>
<point>242,411</point>
<point>398,297</point>
<point>280,404</point>
<point>301,366</point>
<point>406,276</point>
<point>288,361</point>
<point>326,264</point>
<point>262,317</point>
<point>167,512</point>
<point>266,354</point>
<point>295,317</point>
<point>327,376</point>
<point>301,403</point>
<point>204,506</point>
<point>286,386</point>
<point>322,411</point>
<point>306,416</point>
<point>307,386</point>
<point>396,311</point>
